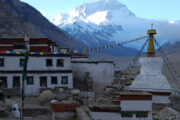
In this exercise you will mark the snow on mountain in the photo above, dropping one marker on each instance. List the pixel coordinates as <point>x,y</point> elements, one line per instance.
<point>98,17</point>
<point>96,23</point>
<point>104,11</point>
<point>106,22</point>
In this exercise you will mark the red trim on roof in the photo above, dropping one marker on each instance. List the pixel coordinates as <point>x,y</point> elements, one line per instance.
<point>62,107</point>
<point>40,49</point>
<point>133,97</point>
<point>21,41</point>
<point>161,93</point>
<point>158,93</point>
<point>6,48</point>
<point>40,41</point>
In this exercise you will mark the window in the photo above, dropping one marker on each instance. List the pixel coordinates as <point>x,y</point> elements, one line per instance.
<point>60,63</point>
<point>21,62</point>
<point>1,62</point>
<point>30,80</point>
<point>127,115</point>
<point>54,80</point>
<point>3,82</point>
<point>49,62</point>
<point>64,80</point>
<point>43,81</point>
<point>16,82</point>
<point>142,114</point>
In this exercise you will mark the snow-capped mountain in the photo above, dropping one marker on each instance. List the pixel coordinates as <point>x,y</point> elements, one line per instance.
<point>104,11</point>
<point>96,23</point>
<point>106,22</point>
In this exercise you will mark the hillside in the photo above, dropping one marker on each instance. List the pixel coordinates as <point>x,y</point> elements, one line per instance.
<point>18,18</point>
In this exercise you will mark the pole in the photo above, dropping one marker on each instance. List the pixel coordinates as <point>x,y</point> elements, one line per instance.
<point>24,76</point>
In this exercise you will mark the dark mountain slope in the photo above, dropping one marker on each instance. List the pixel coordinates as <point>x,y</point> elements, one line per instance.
<point>18,18</point>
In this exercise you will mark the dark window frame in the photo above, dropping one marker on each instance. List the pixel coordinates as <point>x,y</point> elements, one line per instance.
<point>64,82</point>
<point>19,79</point>
<point>60,63</point>
<point>2,63</point>
<point>41,79</point>
<point>49,64</point>
<point>54,80</point>
<point>30,82</point>
<point>21,62</point>
<point>4,85</point>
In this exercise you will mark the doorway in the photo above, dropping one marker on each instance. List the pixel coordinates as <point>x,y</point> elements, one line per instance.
<point>16,82</point>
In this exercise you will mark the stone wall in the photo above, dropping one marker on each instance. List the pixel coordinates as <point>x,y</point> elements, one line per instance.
<point>100,73</point>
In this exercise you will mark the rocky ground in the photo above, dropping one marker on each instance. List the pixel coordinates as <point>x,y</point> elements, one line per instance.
<point>30,102</point>
<point>33,110</point>
<point>160,111</point>
<point>30,118</point>
<point>167,111</point>
<point>167,114</point>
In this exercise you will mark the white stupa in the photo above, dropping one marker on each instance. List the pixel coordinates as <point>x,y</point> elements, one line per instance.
<point>150,78</point>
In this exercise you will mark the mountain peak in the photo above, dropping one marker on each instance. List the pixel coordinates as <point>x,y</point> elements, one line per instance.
<point>99,12</point>
<point>102,5</point>
<point>109,1</point>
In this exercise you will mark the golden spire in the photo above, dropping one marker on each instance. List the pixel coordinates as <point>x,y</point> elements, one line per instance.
<point>151,50</point>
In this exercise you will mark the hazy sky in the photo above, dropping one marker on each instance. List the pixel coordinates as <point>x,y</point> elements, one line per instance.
<point>151,9</point>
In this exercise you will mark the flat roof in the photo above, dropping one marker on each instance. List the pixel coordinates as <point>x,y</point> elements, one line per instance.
<point>79,57</point>
<point>132,93</point>
<point>36,55</point>
<point>92,62</point>
<point>36,71</point>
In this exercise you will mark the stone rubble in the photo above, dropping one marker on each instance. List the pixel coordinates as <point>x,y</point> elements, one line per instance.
<point>4,111</point>
<point>167,114</point>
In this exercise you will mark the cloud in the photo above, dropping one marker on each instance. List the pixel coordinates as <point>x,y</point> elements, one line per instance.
<point>171,21</point>
<point>168,31</point>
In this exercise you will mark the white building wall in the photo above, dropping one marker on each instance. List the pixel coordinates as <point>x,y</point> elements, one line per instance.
<point>79,58</point>
<point>39,63</point>
<point>115,116</point>
<point>105,116</point>
<point>151,66</point>
<point>150,77</point>
<point>136,105</point>
<point>160,99</point>
<point>35,88</point>
<point>35,63</point>
<point>100,73</point>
